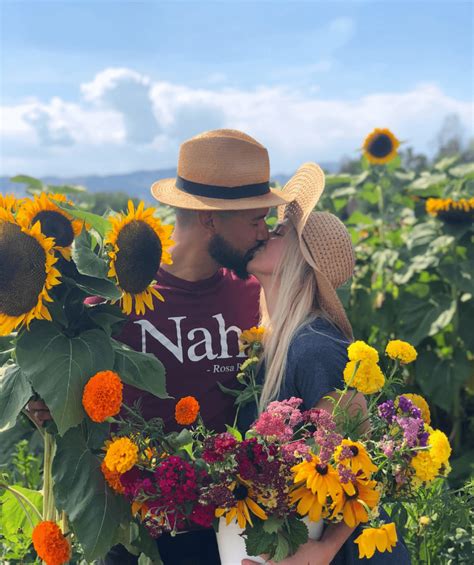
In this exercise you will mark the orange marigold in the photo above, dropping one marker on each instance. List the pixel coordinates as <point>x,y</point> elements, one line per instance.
<point>187,410</point>
<point>102,396</point>
<point>112,478</point>
<point>50,544</point>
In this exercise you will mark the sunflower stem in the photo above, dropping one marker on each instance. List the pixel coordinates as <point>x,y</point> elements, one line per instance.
<point>49,510</point>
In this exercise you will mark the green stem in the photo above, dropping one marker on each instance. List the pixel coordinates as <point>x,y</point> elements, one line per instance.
<point>49,510</point>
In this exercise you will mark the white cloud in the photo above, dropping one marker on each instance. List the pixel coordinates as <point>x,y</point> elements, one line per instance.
<point>125,122</point>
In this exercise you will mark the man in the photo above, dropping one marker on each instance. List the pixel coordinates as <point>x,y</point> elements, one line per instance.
<point>221,196</point>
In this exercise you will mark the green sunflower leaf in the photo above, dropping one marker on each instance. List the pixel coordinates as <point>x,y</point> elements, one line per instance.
<point>16,504</point>
<point>88,262</point>
<point>59,366</point>
<point>80,489</point>
<point>15,391</point>
<point>141,370</point>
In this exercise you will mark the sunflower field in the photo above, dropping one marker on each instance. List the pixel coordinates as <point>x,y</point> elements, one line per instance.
<point>413,232</point>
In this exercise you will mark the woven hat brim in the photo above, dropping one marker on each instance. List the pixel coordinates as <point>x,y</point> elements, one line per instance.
<point>305,189</point>
<point>166,192</point>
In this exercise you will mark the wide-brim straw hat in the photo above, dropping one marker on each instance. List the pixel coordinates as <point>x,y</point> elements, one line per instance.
<point>326,245</point>
<point>223,169</point>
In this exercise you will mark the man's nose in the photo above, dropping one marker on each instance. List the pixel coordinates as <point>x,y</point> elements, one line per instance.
<point>262,233</point>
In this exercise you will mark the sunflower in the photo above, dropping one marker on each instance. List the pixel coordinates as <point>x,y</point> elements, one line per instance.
<point>244,504</point>
<point>380,146</point>
<point>54,221</point>
<point>251,337</point>
<point>356,499</point>
<point>8,202</point>
<point>321,479</point>
<point>27,273</point>
<point>139,243</point>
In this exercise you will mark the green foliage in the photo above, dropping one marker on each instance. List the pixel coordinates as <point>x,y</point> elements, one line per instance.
<point>80,489</point>
<point>15,391</point>
<point>59,366</point>
<point>439,526</point>
<point>276,537</point>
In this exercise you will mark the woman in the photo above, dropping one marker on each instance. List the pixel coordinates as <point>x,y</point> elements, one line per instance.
<point>307,333</point>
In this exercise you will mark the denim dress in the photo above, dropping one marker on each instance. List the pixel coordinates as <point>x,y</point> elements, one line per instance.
<point>316,360</point>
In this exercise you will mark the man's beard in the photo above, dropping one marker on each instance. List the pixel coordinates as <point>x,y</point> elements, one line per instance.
<point>223,253</point>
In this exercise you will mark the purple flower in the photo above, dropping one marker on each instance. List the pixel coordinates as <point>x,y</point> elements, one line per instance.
<point>411,428</point>
<point>387,411</point>
<point>345,474</point>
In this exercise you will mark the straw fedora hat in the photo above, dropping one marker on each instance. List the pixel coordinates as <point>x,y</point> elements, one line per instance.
<point>326,245</point>
<point>223,169</point>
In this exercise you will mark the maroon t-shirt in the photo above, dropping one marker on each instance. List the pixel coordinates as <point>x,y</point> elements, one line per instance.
<point>194,333</point>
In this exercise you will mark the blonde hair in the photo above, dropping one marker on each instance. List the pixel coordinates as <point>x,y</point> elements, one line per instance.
<point>297,304</point>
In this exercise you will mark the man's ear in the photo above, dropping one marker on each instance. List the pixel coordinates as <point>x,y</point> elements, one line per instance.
<point>206,219</point>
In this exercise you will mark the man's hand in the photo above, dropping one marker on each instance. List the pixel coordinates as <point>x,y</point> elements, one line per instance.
<point>38,412</point>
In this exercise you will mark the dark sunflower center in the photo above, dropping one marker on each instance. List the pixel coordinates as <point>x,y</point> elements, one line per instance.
<point>380,146</point>
<point>354,449</point>
<point>138,257</point>
<point>22,270</point>
<point>322,469</point>
<point>54,224</point>
<point>241,492</point>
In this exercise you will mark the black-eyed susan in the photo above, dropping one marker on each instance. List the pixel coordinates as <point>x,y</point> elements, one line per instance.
<point>244,505</point>
<point>55,222</point>
<point>354,455</point>
<point>380,146</point>
<point>321,479</point>
<point>307,504</point>
<point>27,273</point>
<point>382,539</point>
<point>356,499</point>
<point>138,242</point>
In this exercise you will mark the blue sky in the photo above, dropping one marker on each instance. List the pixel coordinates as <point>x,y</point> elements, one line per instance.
<point>113,86</point>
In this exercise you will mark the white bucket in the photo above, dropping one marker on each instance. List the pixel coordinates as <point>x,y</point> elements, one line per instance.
<point>232,545</point>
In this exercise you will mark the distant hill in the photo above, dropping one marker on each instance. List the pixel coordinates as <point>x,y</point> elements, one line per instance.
<point>135,184</point>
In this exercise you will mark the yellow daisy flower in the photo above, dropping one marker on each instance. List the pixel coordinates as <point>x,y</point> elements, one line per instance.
<point>352,504</point>
<point>55,222</point>
<point>320,479</point>
<point>138,243</point>
<point>380,146</point>
<point>244,505</point>
<point>27,273</point>
<point>383,539</point>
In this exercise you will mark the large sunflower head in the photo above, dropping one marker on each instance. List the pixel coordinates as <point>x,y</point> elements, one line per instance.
<point>27,273</point>
<point>139,243</point>
<point>54,221</point>
<point>380,146</point>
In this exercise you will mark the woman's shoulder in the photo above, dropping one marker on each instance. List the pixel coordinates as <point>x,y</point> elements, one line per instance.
<point>318,336</point>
